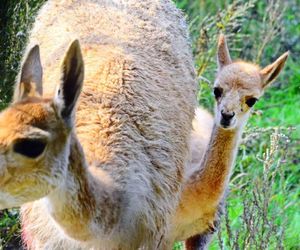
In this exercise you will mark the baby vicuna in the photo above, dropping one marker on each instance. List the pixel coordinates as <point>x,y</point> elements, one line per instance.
<point>237,87</point>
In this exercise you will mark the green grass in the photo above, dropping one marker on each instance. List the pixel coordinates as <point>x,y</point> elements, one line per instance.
<point>280,102</point>
<point>9,229</point>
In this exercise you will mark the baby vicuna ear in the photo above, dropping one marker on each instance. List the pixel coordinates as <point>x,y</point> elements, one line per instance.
<point>270,72</point>
<point>30,81</point>
<point>72,73</point>
<point>223,56</point>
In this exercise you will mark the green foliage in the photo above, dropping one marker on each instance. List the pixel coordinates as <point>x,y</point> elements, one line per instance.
<point>261,198</point>
<point>16,17</point>
<point>9,229</point>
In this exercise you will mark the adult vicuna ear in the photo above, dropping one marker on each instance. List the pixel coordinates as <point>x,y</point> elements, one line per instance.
<point>270,72</point>
<point>30,79</point>
<point>72,73</point>
<point>223,56</point>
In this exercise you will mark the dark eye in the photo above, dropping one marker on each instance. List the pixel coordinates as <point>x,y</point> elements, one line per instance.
<point>251,101</point>
<point>31,148</point>
<point>218,92</point>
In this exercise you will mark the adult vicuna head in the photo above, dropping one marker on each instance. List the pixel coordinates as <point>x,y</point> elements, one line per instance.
<point>35,131</point>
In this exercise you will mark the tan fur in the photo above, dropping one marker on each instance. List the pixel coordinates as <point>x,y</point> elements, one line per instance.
<point>205,186</point>
<point>133,121</point>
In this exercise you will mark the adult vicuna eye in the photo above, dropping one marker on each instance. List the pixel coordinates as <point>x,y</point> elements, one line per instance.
<point>31,148</point>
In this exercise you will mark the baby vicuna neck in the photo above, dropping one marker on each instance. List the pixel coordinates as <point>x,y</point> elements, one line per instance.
<point>219,158</point>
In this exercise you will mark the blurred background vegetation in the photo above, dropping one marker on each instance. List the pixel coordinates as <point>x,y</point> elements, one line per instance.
<point>263,207</point>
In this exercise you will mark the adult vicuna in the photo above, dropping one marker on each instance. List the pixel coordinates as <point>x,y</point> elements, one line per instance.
<point>133,121</point>
<point>237,87</point>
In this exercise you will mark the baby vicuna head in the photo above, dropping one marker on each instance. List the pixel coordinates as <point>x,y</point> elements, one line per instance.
<point>35,131</point>
<point>239,85</point>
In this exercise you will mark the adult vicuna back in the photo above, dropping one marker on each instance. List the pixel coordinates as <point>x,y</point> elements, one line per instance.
<point>133,122</point>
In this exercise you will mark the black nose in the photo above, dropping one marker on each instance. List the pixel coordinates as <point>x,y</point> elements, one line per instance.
<point>227,116</point>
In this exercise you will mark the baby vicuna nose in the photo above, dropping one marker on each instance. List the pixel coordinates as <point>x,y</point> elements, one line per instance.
<point>227,116</point>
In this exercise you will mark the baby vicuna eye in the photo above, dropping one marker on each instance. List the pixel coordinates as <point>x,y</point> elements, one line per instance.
<point>251,101</point>
<point>31,148</point>
<point>218,92</point>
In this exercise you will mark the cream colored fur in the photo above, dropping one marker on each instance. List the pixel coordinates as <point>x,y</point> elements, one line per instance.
<point>133,121</point>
